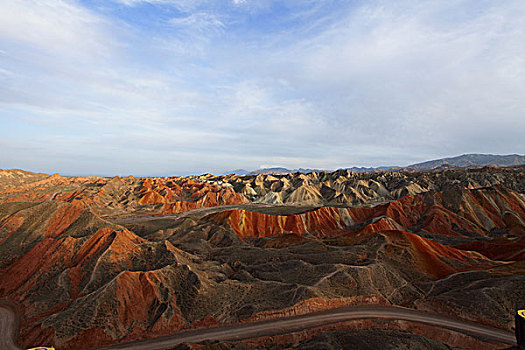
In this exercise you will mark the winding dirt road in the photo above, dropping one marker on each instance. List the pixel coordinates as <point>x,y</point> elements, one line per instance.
<point>291,324</point>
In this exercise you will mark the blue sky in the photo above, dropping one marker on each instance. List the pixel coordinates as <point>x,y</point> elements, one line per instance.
<point>162,87</point>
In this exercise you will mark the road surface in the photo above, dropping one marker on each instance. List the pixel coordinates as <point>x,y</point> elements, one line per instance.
<point>8,326</point>
<point>291,324</point>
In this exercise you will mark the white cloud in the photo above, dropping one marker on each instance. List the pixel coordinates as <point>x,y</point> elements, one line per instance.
<point>323,85</point>
<point>201,22</point>
<point>396,73</point>
<point>181,5</point>
<point>55,27</point>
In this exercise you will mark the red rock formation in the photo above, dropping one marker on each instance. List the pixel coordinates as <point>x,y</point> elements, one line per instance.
<point>318,304</point>
<point>406,213</point>
<point>61,220</point>
<point>435,259</point>
<point>9,226</point>
<point>498,249</point>
<point>384,223</point>
<point>206,322</point>
<point>323,221</point>
<point>180,195</point>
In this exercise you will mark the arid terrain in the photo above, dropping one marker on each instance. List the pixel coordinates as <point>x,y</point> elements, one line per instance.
<point>94,261</point>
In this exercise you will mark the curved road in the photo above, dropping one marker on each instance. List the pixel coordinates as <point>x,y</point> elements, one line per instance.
<point>285,325</point>
<point>297,323</point>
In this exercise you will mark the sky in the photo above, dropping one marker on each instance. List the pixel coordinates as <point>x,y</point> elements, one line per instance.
<point>178,87</point>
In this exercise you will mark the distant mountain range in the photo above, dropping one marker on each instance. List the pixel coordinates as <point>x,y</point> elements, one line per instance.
<point>356,169</point>
<point>471,160</point>
<point>273,171</point>
<point>463,161</point>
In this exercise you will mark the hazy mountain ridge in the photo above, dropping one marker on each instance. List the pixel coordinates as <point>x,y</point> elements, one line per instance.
<point>462,161</point>
<point>472,160</point>
<point>270,171</point>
